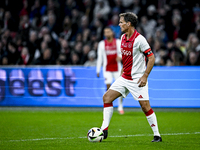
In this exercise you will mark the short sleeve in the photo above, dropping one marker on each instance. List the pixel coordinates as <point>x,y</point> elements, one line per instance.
<point>143,44</point>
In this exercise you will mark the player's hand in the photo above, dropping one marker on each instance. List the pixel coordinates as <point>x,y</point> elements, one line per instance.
<point>142,81</point>
<point>118,58</point>
<point>98,75</point>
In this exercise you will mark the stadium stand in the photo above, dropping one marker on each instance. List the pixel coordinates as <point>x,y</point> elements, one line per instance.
<point>63,32</point>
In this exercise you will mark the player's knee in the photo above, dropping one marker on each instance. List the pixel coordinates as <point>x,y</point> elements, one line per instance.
<point>145,107</point>
<point>106,98</point>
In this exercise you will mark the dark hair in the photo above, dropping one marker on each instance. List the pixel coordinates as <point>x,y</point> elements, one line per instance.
<point>130,17</point>
<point>108,27</point>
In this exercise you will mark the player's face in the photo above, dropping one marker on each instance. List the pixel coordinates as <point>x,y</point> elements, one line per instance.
<point>123,25</point>
<point>108,33</point>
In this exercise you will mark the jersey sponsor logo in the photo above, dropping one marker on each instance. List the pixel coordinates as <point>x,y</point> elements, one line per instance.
<point>111,52</point>
<point>124,52</point>
<point>111,47</point>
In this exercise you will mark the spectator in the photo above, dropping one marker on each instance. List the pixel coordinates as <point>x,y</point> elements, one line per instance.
<point>24,28</point>
<point>98,29</point>
<point>24,58</point>
<point>171,27</point>
<point>32,44</point>
<point>84,24</point>
<point>37,10</point>
<point>161,35</point>
<point>75,60</point>
<point>156,50</point>
<point>52,25</point>
<point>101,10</point>
<point>189,41</point>
<point>69,5</point>
<point>13,54</point>
<point>86,50</point>
<point>148,26</point>
<point>118,8</point>
<point>127,3</point>
<point>9,22</point>
<point>89,7</point>
<point>62,59</point>
<point>91,59</point>
<point>195,44</point>
<point>65,50</point>
<point>86,35</point>
<point>115,27</point>
<point>46,58</point>
<point>136,7</point>
<point>181,46</point>
<point>78,49</point>
<point>24,10</point>
<point>4,60</point>
<point>69,30</point>
<point>192,59</point>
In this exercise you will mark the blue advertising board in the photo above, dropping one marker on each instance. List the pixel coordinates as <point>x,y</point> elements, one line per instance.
<point>79,87</point>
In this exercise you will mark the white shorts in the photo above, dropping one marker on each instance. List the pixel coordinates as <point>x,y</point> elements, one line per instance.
<point>125,87</point>
<point>109,76</point>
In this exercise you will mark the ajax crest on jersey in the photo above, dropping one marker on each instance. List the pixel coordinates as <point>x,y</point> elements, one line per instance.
<point>95,135</point>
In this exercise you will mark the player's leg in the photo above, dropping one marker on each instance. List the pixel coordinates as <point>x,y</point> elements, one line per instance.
<point>108,98</point>
<point>151,117</point>
<point>141,94</point>
<point>107,86</point>
<point>120,105</point>
<point>120,99</point>
<point>108,79</point>
<point>117,89</point>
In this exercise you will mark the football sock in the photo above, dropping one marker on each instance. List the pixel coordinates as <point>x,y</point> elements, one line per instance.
<point>107,115</point>
<point>120,104</point>
<point>151,117</point>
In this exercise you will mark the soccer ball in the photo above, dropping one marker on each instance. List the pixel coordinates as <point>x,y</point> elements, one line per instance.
<point>95,135</point>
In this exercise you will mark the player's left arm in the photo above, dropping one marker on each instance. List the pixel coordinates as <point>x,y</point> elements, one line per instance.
<point>150,64</point>
<point>146,50</point>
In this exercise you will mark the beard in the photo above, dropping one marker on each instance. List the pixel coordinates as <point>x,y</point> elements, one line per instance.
<point>109,37</point>
<point>124,30</point>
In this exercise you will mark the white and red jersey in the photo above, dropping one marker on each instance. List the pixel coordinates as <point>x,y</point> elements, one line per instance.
<point>107,54</point>
<point>133,58</point>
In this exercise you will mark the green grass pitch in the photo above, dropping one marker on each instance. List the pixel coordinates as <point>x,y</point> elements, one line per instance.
<point>66,129</point>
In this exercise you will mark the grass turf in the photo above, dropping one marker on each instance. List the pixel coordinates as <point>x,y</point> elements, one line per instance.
<point>60,129</point>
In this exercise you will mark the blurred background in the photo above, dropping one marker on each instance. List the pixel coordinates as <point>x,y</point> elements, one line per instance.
<point>36,34</point>
<point>63,32</point>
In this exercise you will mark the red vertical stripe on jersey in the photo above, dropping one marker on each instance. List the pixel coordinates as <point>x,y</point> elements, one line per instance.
<point>111,54</point>
<point>127,55</point>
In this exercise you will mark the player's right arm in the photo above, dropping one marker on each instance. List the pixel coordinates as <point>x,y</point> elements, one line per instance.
<point>99,57</point>
<point>122,71</point>
<point>119,55</point>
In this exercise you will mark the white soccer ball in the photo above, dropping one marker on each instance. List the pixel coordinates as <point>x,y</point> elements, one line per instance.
<point>95,135</point>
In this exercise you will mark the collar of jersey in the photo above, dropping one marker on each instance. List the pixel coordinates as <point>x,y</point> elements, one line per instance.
<point>132,38</point>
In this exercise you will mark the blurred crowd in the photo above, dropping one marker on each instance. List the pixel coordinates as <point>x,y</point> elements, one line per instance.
<point>67,32</point>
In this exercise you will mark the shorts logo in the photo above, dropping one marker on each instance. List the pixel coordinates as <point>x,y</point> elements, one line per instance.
<point>140,96</point>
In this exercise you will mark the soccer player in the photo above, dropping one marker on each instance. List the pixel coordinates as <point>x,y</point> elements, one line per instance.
<point>109,54</point>
<point>134,49</point>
